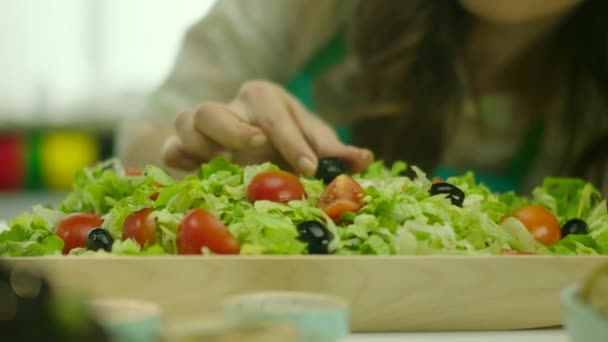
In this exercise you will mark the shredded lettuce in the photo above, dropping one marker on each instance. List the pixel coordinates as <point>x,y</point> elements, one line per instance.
<point>567,198</point>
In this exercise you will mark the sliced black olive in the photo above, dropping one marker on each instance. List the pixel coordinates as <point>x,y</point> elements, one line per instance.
<point>330,168</point>
<point>575,226</point>
<point>99,238</point>
<point>453,193</point>
<point>316,235</point>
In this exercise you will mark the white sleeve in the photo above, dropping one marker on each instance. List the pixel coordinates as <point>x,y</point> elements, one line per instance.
<point>241,40</point>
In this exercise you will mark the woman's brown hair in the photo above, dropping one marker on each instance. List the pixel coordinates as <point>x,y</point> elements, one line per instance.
<point>407,52</point>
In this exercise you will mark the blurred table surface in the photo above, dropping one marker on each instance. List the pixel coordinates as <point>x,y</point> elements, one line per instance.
<point>14,203</point>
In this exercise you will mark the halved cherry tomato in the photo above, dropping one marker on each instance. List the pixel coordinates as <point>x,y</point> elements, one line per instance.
<point>342,195</point>
<point>540,222</point>
<point>154,196</point>
<point>276,186</point>
<point>512,252</point>
<point>139,227</point>
<point>198,229</point>
<point>133,171</point>
<point>74,228</point>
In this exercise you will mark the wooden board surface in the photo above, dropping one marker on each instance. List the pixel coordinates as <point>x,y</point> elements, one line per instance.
<point>385,293</point>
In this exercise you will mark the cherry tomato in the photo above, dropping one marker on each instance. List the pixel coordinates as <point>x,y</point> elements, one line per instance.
<point>154,196</point>
<point>198,229</point>
<point>140,228</point>
<point>133,171</point>
<point>437,180</point>
<point>540,222</point>
<point>342,195</point>
<point>276,186</point>
<point>512,252</point>
<point>74,228</point>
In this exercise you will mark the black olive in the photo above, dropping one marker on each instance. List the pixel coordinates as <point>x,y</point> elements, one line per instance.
<point>330,168</point>
<point>575,226</point>
<point>99,238</point>
<point>453,193</point>
<point>316,235</point>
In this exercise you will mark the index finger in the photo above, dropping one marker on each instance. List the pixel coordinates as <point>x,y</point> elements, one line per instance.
<point>275,118</point>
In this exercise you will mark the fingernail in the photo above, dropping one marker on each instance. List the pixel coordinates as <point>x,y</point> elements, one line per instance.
<point>306,166</point>
<point>257,140</point>
<point>366,154</point>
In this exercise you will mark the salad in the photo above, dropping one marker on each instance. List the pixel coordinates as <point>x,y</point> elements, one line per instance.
<point>260,209</point>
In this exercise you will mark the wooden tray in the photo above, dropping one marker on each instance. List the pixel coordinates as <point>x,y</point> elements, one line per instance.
<point>399,293</point>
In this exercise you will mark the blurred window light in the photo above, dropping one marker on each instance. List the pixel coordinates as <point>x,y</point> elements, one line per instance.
<point>80,60</point>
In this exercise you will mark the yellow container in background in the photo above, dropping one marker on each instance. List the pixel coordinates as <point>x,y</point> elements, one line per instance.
<point>63,153</point>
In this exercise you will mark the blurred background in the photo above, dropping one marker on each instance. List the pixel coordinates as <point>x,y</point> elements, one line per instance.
<point>70,69</point>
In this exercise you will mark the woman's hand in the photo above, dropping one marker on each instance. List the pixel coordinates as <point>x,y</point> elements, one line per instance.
<point>262,123</point>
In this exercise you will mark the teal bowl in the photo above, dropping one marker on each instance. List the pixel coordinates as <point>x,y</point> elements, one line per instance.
<point>582,322</point>
<point>127,320</point>
<point>318,318</point>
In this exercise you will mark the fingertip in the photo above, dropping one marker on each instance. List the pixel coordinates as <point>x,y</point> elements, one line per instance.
<point>306,166</point>
<point>175,157</point>
<point>258,139</point>
<point>226,154</point>
<point>360,158</point>
<point>365,154</point>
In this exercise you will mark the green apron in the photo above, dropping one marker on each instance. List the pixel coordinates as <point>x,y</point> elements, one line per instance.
<point>511,179</point>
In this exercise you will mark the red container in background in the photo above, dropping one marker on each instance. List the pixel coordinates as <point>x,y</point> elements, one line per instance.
<point>12,162</point>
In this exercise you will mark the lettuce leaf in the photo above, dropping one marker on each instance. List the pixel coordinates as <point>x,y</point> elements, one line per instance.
<point>29,235</point>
